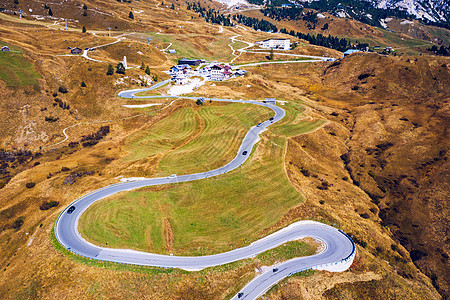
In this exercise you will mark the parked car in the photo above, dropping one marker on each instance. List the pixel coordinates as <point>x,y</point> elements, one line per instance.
<point>172,176</point>
<point>274,270</point>
<point>271,119</point>
<point>71,209</point>
<point>240,295</point>
<point>259,125</point>
<point>244,153</point>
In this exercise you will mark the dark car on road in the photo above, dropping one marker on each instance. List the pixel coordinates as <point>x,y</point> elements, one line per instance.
<point>259,125</point>
<point>71,209</point>
<point>240,295</point>
<point>274,270</point>
<point>244,153</point>
<point>271,119</point>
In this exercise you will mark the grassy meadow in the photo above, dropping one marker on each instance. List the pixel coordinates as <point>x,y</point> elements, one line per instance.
<point>16,70</point>
<point>206,216</point>
<point>196,139</point>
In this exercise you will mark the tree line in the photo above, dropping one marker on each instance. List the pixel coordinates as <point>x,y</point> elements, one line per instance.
<point>442,50</point>
<point>213,16</point>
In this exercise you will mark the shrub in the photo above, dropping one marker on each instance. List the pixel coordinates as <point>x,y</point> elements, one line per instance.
<point>322,202</point>
<point>324,186</point>
<point>110,70</point>
<point>84,30</point>
<point>305,172</point>
<point>130,15</point>
<point>365,216</point>
<point>83,84</point>
<point>18,222</point>
<point>30,185</point>
<point>147,70</point>
<point>62,89</point>
<point>47,205</point>
<point>120,68</point>
<point>65,169</point>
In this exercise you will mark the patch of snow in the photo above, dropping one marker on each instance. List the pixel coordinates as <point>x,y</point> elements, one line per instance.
<point>341,14</point>
<point>140,53</point>
<point>186,88</point>
<point>248,85</point>
<point>383,23</point>
<point>369,16</point>
<point>320,16</point>
<point>231,3</point>
<point>388,19</point>
<point>141,105</point>
<point>406,22</point>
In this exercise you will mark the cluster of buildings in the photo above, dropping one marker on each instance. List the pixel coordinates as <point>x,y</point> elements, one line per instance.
<point>276,44</point>
<point>211,71</point>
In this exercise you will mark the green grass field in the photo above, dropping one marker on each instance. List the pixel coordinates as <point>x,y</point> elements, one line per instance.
<point>214,49</point>
<point>16,70</point>
<point>286,251</point>
<point>207,216</point>
<point>196,139</point>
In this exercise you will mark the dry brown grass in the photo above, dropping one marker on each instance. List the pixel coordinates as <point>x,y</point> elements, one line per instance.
<point>414,218</point>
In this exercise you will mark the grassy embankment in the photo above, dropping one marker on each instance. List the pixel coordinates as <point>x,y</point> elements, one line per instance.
<point>196,46</point>
<point>16,70</point>
<point>207,216</point>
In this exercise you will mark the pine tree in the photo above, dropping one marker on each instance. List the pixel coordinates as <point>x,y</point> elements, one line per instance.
<point>271,54</point>
<point>84,6</point>
<point>130,15</point>
<point>83,84</point>
<point>172,7</point>
<point>143,66</point>
<point>50,13</point>
<point>147,71</point>
<point>84,29</point>
<point>120,69</point>
<point>110,70</point>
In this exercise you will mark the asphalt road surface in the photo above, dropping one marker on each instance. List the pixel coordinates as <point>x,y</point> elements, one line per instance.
<point>338,246</point>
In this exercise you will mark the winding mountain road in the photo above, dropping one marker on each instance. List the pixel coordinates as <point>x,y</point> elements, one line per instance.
<point>338,253</point>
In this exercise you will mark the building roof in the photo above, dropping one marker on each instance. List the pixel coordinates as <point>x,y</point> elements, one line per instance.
<point>273,40</point>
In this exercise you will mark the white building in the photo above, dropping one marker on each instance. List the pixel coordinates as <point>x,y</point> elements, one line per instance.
<point>281,44</point>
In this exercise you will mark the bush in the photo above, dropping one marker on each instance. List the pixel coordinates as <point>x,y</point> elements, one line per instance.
<point>110,70</point>
<point>120,68</point>
<point>65,169</point>
<point>305,172</point>
<point>18,222</point>
<point>30,185</point>
<point>365,216</point>
<point>84,29</point>
<point>324,186</point>
<point>83,84</point>
<point>47,205</point>
<point>62,89</point>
